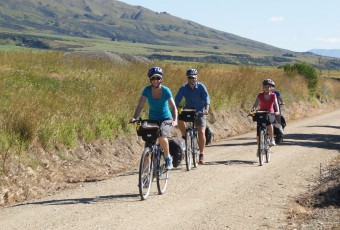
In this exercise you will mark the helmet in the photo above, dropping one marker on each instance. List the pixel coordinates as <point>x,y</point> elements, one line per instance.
<point>192,72</point>
<point>155,70</point>
<point>268,82</point>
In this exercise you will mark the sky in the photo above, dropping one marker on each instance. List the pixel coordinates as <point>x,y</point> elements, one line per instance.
<point>295,25</point>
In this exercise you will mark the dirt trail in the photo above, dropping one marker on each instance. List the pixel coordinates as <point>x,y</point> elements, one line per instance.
<point>231,191</point>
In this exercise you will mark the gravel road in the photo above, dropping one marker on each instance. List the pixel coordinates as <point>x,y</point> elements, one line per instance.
<point>231,191</point>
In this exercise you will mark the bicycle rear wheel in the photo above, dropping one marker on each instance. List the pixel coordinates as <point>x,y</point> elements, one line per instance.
<point>188,150</point>
<point>162,173</point>
<point>195,150</point>
<point>145,173</point>
<point>261,150</point>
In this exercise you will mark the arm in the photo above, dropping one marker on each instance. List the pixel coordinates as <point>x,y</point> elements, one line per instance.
<point>207,106</point>
<point>256,103</point>
<point>178,97</point>
<point>173,109</point>
<point>139,108</point>
<point>277,108</point>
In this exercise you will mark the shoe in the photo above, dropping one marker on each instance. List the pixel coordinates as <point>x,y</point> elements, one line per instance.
<point>201,159</point>
<point>168,162</point>
<point>272,142</point>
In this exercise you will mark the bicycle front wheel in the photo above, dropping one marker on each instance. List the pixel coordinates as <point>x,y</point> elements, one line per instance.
<point>267,149</point>
<point>261,150</point>
<point>162,173</point>
<point>145,173</point>
<point>195,150</point>
<point>188,150</point>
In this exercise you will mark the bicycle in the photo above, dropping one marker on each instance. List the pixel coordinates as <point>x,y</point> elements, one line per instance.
<point>152,162</point>
<point>263,150</point>
<point>191,137</point>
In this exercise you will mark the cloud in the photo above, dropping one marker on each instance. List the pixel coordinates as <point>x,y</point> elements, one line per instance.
<point>277,19</point>
<point>328,40</point>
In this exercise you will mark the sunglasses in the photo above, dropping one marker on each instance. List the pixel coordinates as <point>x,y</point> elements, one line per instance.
<point>155,78</point>
<point>191,77</point>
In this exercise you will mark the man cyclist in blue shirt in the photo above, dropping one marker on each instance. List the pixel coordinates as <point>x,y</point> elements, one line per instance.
<point>196,97</point>
<point>161,108</point>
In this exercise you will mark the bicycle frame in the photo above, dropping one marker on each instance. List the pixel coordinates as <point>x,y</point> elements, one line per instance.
<point>263,136</point>
<point>152,163</point>
<point>191,140</point>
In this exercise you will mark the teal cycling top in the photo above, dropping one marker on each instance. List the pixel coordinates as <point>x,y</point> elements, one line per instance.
<point>158,108</point>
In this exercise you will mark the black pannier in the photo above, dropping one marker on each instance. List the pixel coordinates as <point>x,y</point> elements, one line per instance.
<point>209,134</point>
<point>261,116</point>
<point>177,149</point>
<point>148,130</point>
<point>187,115</point>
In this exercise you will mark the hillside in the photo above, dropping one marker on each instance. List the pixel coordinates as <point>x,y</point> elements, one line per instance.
<point>81,25</point>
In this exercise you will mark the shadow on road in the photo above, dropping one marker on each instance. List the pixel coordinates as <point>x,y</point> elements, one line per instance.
<point>80,200</point>
<point>324,141</point>
<point>231,162</point>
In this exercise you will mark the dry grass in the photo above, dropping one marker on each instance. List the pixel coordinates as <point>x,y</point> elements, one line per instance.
<point>51,99</point>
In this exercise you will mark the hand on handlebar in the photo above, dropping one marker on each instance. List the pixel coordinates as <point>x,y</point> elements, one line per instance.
<point>132,120</point>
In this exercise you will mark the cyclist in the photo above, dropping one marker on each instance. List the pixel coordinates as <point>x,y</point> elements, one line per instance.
<point>161,108</point>
<point>268,102</point>
<point>280,102</point>
<point>196,97</point>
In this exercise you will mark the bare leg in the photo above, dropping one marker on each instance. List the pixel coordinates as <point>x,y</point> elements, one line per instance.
<point>201,138</point>
<point>164,143</point>
<point>181,126</point>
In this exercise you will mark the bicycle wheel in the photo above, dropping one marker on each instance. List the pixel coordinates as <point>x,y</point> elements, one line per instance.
<point>188,150</point>
<point>261,150</point>
<point>145,173</point>
<point>195,150</point>
<point>162,173</point>
<point>267,149</point>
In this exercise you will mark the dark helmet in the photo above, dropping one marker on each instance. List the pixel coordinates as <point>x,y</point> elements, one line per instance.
<point>268,82</point>
<point>155,70</point>
<point>192,72</point>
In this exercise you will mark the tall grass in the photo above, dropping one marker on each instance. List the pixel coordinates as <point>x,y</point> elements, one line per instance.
<point>52,98</point>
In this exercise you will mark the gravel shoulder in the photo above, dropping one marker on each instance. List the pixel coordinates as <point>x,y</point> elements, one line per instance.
<point>231,191</point>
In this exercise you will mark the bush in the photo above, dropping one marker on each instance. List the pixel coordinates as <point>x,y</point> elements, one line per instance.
<point>308,72</point>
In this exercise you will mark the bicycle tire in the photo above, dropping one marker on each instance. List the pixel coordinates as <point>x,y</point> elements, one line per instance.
<point>267,149</point>
<point>195,150</point>
<point>261,149</point>
<point>162,173</point>
<point>188,150</point>
<point>145,173</point>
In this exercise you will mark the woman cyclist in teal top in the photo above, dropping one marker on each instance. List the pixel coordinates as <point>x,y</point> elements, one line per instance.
<point>161,108</point>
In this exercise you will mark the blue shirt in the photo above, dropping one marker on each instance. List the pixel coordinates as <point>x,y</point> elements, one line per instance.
<point>158,108</point>
<point>195,98</point>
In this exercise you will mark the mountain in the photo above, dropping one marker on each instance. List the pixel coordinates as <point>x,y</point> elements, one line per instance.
<point>326,52</point>
<point>55,24</point>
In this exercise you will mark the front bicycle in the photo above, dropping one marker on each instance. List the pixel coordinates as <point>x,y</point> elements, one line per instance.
<point>152,163</point>
<point>263,152</point>
<point>191,137</point>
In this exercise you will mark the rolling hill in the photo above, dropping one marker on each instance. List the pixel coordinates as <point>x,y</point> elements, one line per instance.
<point>115,26</point>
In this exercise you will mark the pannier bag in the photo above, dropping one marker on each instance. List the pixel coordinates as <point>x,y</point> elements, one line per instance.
<point>187,115</point>
<point>261,116</point>
<point>177,149</point>
<point>283,122</point>
<point>209,134</point>
<point>148,130</point>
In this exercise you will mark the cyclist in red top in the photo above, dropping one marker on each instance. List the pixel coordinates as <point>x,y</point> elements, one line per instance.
<point>268,102</point>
